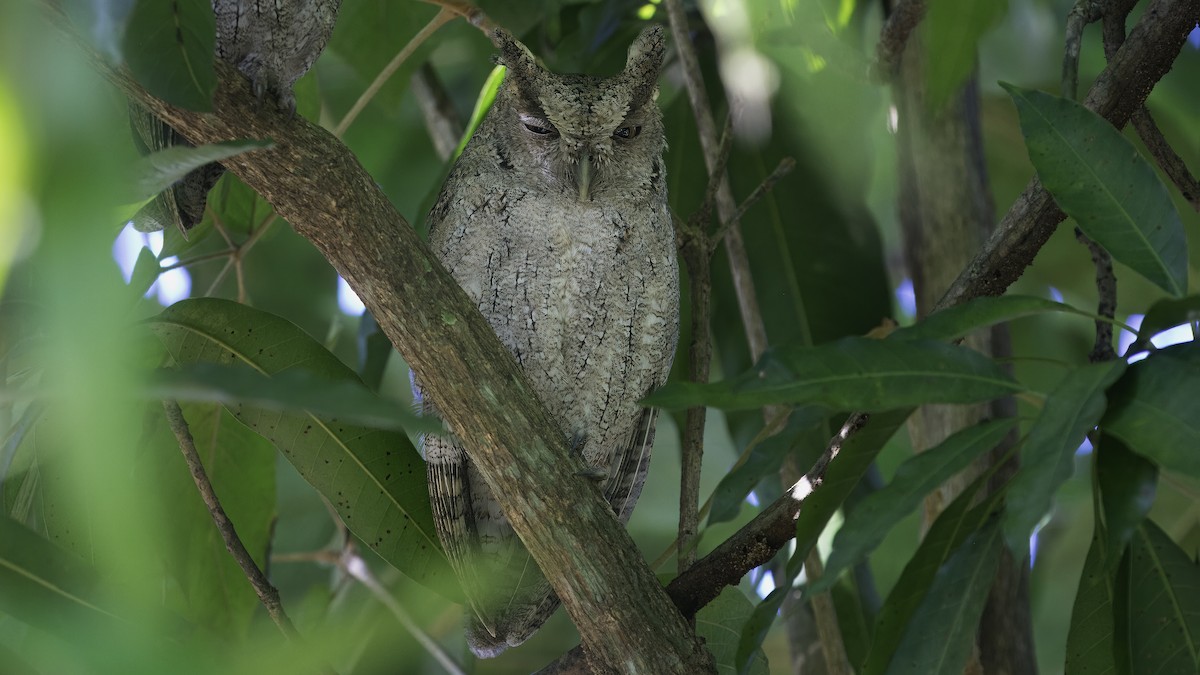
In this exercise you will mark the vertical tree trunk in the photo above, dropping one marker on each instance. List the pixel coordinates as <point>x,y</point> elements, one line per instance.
<point>946,212</point>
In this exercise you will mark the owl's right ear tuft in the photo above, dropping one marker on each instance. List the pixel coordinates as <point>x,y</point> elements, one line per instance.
<point>513,55</point>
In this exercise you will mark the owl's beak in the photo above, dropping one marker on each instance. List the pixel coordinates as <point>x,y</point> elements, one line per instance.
<point>583,175</point>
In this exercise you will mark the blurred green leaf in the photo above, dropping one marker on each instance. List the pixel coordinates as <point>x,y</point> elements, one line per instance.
<point>853,619</point>
<point>1091,638</point>
<point>291,391</point>
<point>867,525</point>
<point>1164,604</point>
<point>1165,314</point>
<point>43,585</point>
<point>160,170</point>
<point>1127,483</point>
<point>374,479</point>
<point>959,321</point>
<point>1098,178</point>
<point>241,467</point>
<point>1155,409</point>
<point>853,374</point>
<point>369,34</point>
<point>952,31</point>
<point>952,527</point>
<point>720,623</point>
<point>941,634</point>
<point>754,630</point>
<point>169,49</point>
<point>1048,455</point>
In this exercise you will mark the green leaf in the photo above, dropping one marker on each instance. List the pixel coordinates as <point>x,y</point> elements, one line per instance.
<point>162,169</point>
<point>1091,638</point>
<point>959,321</point>
<point>867,525</point>
<point>1155,409</point>
<point>1098,178</point>
<point>853,374</point>
<point>1127,483</point>
<point>375,479</point>
<point>291,391</point>
<point>941,634</point>
<point>953,29</point>
<point>1164,604</point>
<point>755,629</point>
<point>43,585</point>
<point>145,272</point>
<point>949,531</point>
<point>764,459</point>
<point>169,49</point>
<point>1165,314</point>
<point>1048,456</point>
<point>720,623</point>
<point>483,103</point>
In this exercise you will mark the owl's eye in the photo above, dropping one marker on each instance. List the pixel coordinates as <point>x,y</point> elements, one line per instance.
<point>538,128</point>
<point>627,132</point>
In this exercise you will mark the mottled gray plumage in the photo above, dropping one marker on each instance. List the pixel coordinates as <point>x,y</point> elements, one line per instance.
<point>272,42</point>
<point>555,222</point>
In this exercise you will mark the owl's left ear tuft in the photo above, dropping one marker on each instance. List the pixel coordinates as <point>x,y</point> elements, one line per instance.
<point>644,63</point>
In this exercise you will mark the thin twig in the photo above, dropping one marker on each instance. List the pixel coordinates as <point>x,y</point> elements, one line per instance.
<point>1106,305</point>
<point>1083,13</point>
<point>441,119</point>
<point>784,168</point>
<point>697,258</point>
<point>702,215</point>
<point>739,263</point>
<point>444,16</point>
<point>268,595</point>
<point>832,644</point>
<point>893,37</point>
<point>357,568</point>
<point>1164,155</point>
<point>474,16</point>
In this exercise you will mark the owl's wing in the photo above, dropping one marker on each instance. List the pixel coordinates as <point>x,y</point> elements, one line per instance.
<point>628,469</point>
<point>183,203</point>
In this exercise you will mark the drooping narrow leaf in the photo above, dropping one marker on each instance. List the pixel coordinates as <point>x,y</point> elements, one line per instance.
<point>853,374</point>
<point>162,169</point>
<point>868,524</point>
<point>1090,640</point>
<point>952,527</point>
<point>375,479</point>
<point>958,321</point>
<point>1166,314</point>
<point>1098,178</point>
<point>1048,456</point>
<point>820,503</point>
<point>1127,483</point>
<point>1164,604</point>
<point>720,623</point>
<point>169,49</point>
<point>941,634</point>
<point>1155,409</point>
<point>765,459</point>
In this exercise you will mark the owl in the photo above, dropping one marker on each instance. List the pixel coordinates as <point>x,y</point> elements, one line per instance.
<point>554,220</point>
<point>271,43</point>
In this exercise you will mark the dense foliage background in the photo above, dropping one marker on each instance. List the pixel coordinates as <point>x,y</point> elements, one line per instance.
<point>101,519</point>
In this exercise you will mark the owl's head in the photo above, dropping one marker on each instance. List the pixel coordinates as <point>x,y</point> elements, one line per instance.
<point>590,137</point>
